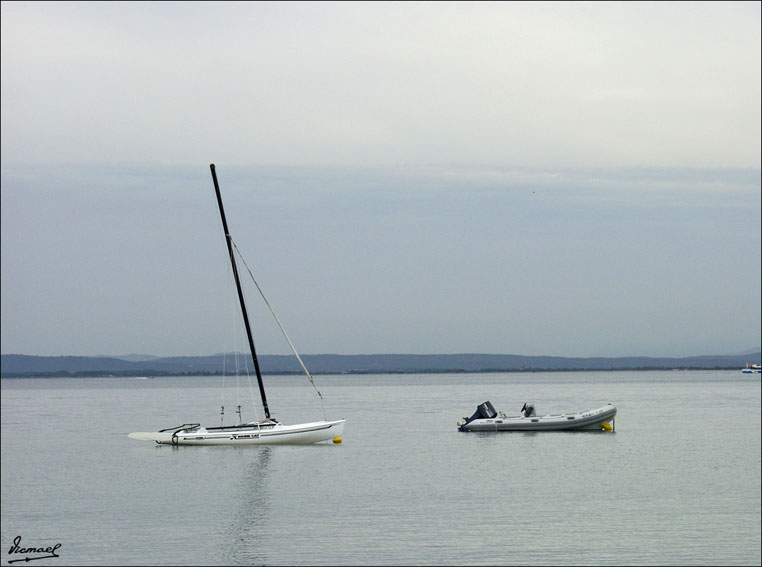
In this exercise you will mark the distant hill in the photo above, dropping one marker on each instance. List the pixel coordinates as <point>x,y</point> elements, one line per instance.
<point>132,357</point>
<point>19,365</point>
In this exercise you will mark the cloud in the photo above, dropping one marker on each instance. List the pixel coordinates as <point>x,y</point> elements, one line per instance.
<point>382,84</point>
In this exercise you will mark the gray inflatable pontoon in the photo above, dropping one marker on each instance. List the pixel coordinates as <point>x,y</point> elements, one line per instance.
<point>487,419</point>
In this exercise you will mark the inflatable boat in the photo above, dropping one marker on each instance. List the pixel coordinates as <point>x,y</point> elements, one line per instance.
<point>487,419</point>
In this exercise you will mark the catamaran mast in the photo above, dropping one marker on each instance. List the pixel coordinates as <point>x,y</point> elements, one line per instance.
<point>229,241</point>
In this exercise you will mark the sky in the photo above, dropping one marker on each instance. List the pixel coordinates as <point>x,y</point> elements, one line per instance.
<point>568,179</point>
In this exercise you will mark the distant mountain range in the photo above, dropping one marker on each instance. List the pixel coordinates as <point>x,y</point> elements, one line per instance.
<point>19,365</point>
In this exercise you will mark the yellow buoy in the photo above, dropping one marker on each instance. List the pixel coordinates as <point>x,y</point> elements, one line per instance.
<point>606,426</point>
<point>337,440</point>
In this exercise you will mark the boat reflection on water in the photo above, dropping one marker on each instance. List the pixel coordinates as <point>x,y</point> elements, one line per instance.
<point>248,529</point>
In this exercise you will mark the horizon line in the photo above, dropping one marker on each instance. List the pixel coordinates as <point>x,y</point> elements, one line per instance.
<point>749,352</point>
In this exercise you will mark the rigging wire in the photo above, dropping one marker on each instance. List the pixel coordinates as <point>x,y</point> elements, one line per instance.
<point>240,362</point>
<point>243,364</point>
<point>285,334</point>
<point>236,362</point>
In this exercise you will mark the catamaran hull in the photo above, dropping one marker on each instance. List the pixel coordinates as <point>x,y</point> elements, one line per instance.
<point>301,434</point>
<point>590,420</point>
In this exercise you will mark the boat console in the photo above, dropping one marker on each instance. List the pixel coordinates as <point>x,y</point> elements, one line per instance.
<point>528,410</point>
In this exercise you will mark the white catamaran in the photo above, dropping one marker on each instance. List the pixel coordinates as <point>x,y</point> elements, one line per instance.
<point>267,431</point>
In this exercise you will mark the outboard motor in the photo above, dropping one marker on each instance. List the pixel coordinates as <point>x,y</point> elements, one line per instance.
<point>528,410</point>
<point>483,411</point>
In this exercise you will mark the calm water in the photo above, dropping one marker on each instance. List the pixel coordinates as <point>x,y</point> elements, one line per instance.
<point>678,483</point>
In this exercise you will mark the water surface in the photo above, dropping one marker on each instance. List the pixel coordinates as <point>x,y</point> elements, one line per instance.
<point>678,483</point>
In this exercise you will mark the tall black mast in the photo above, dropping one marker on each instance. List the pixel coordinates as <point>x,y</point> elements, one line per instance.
<point>229,241</point>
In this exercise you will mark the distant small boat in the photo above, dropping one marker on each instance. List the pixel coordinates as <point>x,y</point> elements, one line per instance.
<point>752,369</point>
<point>486,418</point>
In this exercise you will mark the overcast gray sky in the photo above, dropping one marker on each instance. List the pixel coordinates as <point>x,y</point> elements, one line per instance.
<point>573,179</point>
